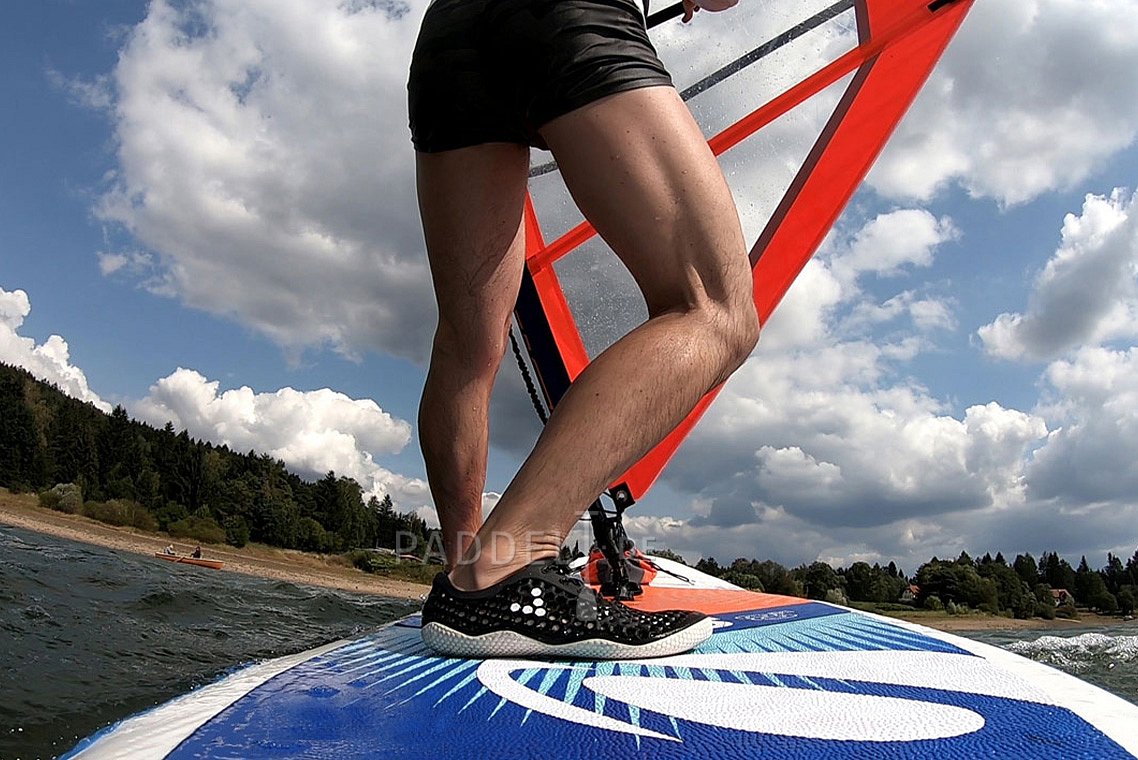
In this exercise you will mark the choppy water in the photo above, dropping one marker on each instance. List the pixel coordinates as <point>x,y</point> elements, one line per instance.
<point>89,636</point>
<point>1106,656</point>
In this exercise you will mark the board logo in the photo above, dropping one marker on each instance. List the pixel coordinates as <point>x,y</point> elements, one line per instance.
<point>865,695</point>
<point>774,616</point>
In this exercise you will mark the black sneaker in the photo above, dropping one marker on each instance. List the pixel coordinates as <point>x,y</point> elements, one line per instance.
<point>543,611</point>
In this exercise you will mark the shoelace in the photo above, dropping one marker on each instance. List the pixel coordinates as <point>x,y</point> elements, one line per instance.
<point>563,570</point>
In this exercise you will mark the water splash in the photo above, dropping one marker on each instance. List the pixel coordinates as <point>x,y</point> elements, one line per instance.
<point>1079,654</point>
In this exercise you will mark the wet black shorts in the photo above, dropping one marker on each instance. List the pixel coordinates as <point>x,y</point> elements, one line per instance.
<point>497,70</point>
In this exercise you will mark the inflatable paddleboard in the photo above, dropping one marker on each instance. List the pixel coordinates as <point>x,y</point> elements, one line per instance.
<point>781,677</point>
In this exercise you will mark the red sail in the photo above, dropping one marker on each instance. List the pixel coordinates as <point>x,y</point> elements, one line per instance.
<point>898,44</point>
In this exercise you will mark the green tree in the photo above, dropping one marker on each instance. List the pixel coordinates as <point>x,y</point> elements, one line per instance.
<point>775,578</point>
<point>666,554</point>
<point>1056,572</point>
<point>1114,574</point>
<point>709,565</point>
<point>1026,569</point>
<point>860,582</point>
<point>1104,601</point>
<point>818,578</point>
<point>18,436</point>
<point>1127,600</point>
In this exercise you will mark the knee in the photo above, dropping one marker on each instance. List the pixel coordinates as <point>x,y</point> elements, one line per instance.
<point>469,350</point>
<point>739,333</point>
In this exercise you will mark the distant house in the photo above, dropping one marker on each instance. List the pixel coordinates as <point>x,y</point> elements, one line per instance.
<point>1061,596</point>
<point>910,593</point>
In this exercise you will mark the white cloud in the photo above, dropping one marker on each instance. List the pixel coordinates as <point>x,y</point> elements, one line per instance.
<point>821,447</point>
<point>264,157</point>
<point>49,361</point>
<point>96,93</point>
<point>1087,293</point>
<point>1032,95</point>
<point>894,242</point>
<point>134,263</point>
<point>822,440</point>
<point>830,437</point>
<point>312,432</point>
<point>1089,457</point>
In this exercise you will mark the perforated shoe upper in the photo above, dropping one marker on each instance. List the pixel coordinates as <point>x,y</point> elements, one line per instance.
<point>544,602</point>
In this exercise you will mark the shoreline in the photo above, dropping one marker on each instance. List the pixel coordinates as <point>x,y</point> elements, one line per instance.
<point>303,568</point>
<point>288,565</point>
<point>983,623</point>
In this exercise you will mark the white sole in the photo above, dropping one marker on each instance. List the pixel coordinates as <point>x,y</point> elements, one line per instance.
<point>451,643</point>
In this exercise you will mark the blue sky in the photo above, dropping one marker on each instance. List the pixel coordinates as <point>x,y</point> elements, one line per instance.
<point>197,203</point>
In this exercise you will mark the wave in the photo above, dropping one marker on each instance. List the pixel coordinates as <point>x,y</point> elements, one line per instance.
<point>1080,653</point>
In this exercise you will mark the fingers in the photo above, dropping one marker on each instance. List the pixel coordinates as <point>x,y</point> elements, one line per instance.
<point>690,9</point>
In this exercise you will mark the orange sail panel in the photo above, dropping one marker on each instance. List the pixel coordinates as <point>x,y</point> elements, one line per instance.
<point>894,45</point>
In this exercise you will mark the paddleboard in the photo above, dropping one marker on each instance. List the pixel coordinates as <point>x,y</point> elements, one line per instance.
<point>781,677</point>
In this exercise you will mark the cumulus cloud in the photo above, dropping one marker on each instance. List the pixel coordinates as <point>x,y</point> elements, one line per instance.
<point>821,447</point>
<point>1089,457</point>
<point>1032,95</point>
<point>312,432</point>
<point>823,437</point>
<point>1087,292</point>
<point>894,242</point>
<point>823,440</point>
<point>263,156</point>
<point>49,361</point>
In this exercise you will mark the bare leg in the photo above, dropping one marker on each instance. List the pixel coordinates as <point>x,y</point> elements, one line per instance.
<point>471,202</point>
<point>640,170</point>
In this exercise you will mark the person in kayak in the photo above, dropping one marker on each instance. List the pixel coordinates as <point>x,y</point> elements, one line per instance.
<point>488,80</point>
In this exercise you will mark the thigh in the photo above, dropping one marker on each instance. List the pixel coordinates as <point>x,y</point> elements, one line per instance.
<point>455,96</point>
<point>471,202</point>
<point>640,170</point>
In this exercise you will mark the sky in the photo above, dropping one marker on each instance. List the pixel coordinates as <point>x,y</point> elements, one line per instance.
<point>207,215</point>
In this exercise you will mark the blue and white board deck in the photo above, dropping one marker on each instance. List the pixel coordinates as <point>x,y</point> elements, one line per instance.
<point>779,678</point>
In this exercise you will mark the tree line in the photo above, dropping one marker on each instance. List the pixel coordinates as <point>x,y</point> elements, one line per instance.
<point>1022,589</point>
<point>164,479</point>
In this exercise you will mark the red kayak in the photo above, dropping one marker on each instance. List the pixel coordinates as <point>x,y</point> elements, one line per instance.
<point>210,563</point>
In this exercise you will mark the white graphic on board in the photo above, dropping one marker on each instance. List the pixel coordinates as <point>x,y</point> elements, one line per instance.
<point>798,712</point>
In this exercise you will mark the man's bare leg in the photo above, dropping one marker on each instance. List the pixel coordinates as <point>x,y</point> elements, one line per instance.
<point>471,201</point>
<point>640,170</point>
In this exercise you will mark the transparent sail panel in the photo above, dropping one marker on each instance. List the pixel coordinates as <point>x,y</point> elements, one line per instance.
<point>604,299</point>
<point>728,64</point>
<point>602,295</point>
<point>759,170</point>
<point>555,209</point>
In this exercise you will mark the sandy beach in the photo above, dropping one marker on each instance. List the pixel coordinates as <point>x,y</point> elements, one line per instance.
<point>984,622</point>
<point>23,511</point>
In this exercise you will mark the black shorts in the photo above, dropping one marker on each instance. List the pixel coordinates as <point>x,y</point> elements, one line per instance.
<point>497,70</point>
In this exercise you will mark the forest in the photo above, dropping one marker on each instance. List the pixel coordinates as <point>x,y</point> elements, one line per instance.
<point>112,468</point>
<point>1048,587</point>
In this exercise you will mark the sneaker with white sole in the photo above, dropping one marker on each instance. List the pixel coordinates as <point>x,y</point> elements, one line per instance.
<point>543,611</point>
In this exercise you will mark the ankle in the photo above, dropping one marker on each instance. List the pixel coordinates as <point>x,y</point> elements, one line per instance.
<point>485,572</point>
<point>496,554</point>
